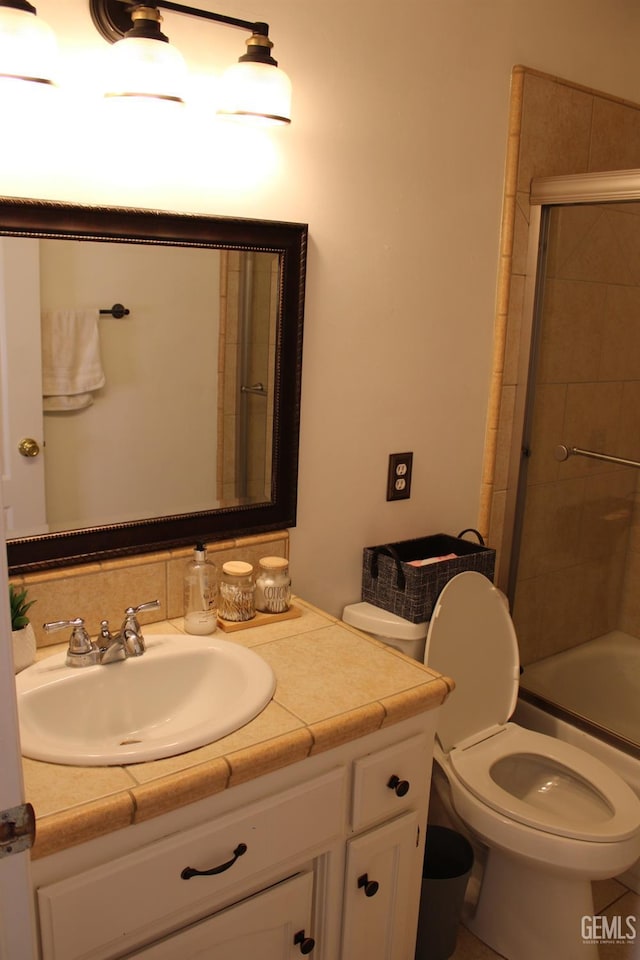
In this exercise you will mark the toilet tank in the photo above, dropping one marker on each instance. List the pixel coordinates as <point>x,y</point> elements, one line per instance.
<point>395,631</point>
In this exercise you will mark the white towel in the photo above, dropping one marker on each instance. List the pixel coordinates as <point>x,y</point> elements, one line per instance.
<point>71,364</point>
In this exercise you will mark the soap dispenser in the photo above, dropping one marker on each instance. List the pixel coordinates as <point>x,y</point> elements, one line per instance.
<point>200,594</point>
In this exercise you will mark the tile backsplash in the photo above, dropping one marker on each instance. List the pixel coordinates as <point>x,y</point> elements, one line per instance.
<point>103,590</point>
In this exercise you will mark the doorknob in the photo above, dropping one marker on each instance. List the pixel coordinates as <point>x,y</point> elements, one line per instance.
<point>29,447</point>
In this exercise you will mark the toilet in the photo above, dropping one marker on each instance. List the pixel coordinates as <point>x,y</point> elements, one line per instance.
<point>548,817</point>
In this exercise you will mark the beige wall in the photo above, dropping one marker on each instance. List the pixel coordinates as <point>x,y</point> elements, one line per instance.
<point>573,566</point>
<point>396,159</point>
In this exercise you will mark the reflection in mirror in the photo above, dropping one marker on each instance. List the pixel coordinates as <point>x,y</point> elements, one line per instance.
<point>122,451</point>
<point>181,417</point>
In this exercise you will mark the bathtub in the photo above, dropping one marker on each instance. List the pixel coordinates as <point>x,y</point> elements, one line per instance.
<point>599,681</point>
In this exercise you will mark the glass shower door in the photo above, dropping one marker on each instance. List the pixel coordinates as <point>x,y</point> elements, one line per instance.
<point>575,569</point>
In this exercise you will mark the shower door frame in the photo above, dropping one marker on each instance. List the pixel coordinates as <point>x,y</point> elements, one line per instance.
<point>611,186</point>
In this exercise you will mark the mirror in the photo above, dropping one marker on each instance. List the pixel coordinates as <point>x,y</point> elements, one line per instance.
<point>193,430</point>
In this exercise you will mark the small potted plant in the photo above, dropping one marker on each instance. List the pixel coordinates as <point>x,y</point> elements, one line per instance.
<point>24,639</point>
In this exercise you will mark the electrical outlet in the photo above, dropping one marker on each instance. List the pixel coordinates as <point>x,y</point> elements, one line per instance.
<point>399,476</point>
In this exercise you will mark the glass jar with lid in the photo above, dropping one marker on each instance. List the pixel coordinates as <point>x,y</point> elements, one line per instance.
<point>273,585</point>
<point>236,591</point>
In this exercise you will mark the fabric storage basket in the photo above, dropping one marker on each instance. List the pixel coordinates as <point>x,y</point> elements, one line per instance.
<point>390,582</point>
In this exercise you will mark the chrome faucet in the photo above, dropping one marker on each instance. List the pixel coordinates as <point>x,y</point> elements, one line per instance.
<point>110,648</point>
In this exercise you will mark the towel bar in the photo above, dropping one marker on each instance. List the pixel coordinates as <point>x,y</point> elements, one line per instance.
<point>117,310</point>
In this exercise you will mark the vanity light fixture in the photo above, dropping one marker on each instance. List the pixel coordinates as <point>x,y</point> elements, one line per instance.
<point>28,48</point>
<point>145,65</point>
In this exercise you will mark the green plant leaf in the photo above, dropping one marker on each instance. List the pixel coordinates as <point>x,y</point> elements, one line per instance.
<point>19,607</point>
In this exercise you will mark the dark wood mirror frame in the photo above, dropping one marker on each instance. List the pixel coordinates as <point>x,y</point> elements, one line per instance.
<point>41,219</point>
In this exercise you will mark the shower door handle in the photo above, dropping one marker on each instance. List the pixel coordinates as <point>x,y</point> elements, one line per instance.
<point>258,389</point>
<point>563,452</point>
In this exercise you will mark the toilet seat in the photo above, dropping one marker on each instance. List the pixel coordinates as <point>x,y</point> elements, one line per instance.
<point>602,806</point>
<point>471,637</point>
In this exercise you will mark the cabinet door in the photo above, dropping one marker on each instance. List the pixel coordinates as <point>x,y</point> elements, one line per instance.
<point>382,890</point>
<point>265,926</point>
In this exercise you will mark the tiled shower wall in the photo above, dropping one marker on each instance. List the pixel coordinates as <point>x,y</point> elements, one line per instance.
<point>262,351</point>
<point>555,127</point>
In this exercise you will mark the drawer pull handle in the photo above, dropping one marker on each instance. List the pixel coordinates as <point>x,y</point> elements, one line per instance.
<point>306,944</point>
<point>371,887</point>
<point>189,872</point>
<point>401,787</point>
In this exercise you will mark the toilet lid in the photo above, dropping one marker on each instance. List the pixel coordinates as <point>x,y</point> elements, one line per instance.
<point>471,638</point>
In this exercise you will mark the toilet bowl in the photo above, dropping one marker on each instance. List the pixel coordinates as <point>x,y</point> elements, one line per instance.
<point>550,817</point>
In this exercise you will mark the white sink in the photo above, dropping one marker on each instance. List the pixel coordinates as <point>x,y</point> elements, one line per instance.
<point>182,693</point>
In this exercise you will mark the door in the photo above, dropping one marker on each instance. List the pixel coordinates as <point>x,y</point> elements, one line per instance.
<point>382,891</point>
<point>574,570</point>
<point>17,928</point>
<point>21,388</point>
<point>273,925</point>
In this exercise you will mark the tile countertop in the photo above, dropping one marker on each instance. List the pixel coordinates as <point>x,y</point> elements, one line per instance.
<point>334,684</point>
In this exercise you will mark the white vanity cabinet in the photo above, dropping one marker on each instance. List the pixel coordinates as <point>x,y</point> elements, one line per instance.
<point>321,858</point>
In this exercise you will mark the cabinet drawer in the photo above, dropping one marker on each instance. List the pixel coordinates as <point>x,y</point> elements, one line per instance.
<point>264,926</point>
<point>390,781</point>
<point>109,909</point>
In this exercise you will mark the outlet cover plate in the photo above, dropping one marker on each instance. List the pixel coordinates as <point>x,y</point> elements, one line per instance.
<point>399,476</point>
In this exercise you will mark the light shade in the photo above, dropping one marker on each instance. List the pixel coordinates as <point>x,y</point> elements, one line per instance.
<point>28,48</point>
<point>143,64</point>
<point>251,90</point>
<point>142,67</point>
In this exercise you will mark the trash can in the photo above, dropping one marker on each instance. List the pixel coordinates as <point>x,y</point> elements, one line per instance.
<point>448,859</point>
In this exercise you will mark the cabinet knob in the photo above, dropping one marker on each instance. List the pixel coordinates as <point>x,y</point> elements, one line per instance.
<point>400,787</point>
<point>370,887</point>
<point>305,943</point>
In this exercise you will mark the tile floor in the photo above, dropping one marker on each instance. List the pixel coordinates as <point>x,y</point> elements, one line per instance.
<point>610,898</point>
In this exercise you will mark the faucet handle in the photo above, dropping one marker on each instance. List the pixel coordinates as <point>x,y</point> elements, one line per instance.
<point>131,630</point>
<point>82,651</point>
<point>131,614</point>
<point>142,607</point>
